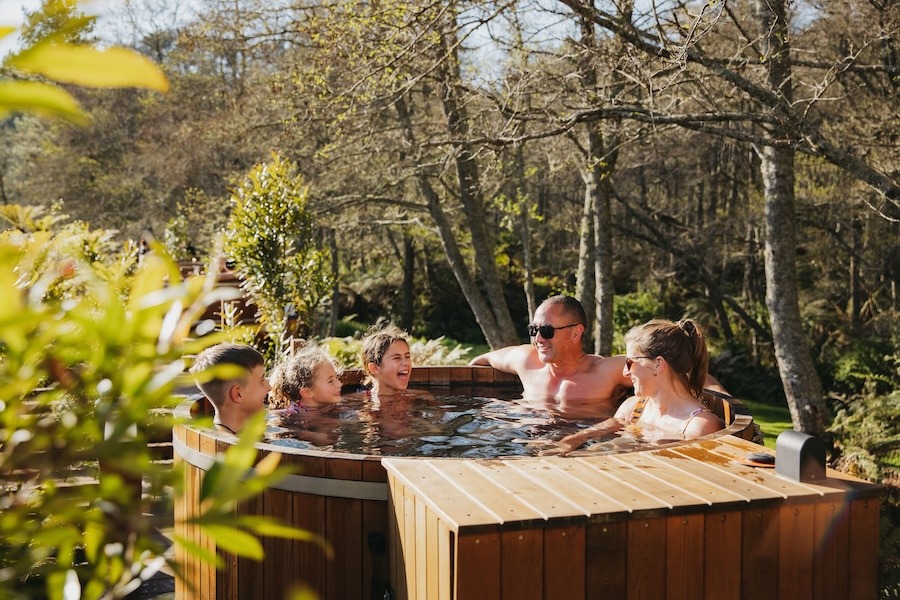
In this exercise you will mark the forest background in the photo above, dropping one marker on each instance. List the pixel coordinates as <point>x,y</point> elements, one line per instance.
<point>736,162</point>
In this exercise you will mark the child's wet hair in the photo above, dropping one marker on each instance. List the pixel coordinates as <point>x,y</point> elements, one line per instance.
<point>296,372</point>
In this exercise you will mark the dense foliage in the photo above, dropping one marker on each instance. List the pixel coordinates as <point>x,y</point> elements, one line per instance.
<point>471,155</point>
<point>93,358</point>
<point>276,247</point>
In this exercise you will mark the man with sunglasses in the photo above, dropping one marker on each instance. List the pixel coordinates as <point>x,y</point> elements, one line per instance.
<point>555,366</point>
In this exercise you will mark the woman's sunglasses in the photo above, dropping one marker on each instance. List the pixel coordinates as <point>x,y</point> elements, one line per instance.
<point>546,331</point>
<point>630,360</point>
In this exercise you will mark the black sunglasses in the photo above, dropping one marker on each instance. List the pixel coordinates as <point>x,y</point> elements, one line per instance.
<point>546,331</point>
<point>630,360</point>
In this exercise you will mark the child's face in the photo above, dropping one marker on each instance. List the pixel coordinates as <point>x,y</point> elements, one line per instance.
<point>392,374</point>
<point>254,392</point>
<point>325,388</point>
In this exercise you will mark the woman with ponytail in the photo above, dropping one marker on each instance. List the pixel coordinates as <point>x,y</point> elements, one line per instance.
<point>667,364</point>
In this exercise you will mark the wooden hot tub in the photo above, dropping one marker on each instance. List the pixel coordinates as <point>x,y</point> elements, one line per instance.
<point>342,497</point>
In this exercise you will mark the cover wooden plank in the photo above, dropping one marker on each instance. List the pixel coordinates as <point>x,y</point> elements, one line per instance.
<point>432,554</point>
<point>832,542</point>
<point>521,564</point>
<point>759,554</point>
<point>410,548</point>
<point>700,480</point>
<point>655,480</point>
<point>863,551</point>
<point>420,530</point>
<point>714,476</point>
<point>522,495</point>
<point>446,553</point>
<point>455,506</point>
<point>646,577</point>
<point>606,560</point>
<point>396,565</point>
<point>564,562</point>
<point>343,526</point>
<point>563,478</point>
<point>722,556</point>
<point>684,557</point>
<point>477,574</point>
<point>834,487</point>
<point>612,484</point>
<point>796,541</point>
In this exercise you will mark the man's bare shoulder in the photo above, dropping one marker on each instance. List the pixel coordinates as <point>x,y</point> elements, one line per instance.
<point>511,359</point>
<point>605,364</point>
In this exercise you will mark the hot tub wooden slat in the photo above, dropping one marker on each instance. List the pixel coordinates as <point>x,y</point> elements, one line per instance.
<point>311,560</point>
<point>622,495</point>
<point>477,480</point>
<point>832,535</point>
<point>343,527</point>
<point>604,560</point>
<point>646,553</point>
<point>863,568</point>
<point>250,578</point>
<point>796,546</point>
<point>684,556</point>
<point>722,556</point>
<point>564,549</point>
<point>478,566</point>
<point>537,494</point>
<point>693,537</point>
<point>588,499</point>
<point>736,448</point>
<point>704,478</point>
<point>759,553</point>
<point>522,564</point>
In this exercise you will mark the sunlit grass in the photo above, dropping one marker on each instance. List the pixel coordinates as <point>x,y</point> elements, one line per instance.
<point>772,419</point>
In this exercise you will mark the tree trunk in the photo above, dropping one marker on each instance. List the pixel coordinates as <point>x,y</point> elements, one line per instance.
<point>603,266</point>
<point>409,272</point>
<point>484,316</point>
<point>798,375</point>
<point>335,286</point>
<point>524,204</point>
<point>470,193</point>
<point>584,274</point>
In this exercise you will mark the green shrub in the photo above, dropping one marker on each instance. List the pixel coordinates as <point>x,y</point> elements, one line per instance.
<point>867,433</point>
<point>273,240</point>
<point>87,373</point>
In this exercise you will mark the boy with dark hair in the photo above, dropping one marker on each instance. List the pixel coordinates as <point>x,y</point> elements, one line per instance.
<point>236,384</point>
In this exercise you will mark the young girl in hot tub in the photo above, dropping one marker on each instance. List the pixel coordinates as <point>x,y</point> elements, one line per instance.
<point>306,392</point>
<point>387,362</point>
<point>667,365</point>
<point>308,379</point>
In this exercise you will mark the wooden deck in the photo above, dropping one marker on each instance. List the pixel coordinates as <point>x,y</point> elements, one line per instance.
<point>684,522</point>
